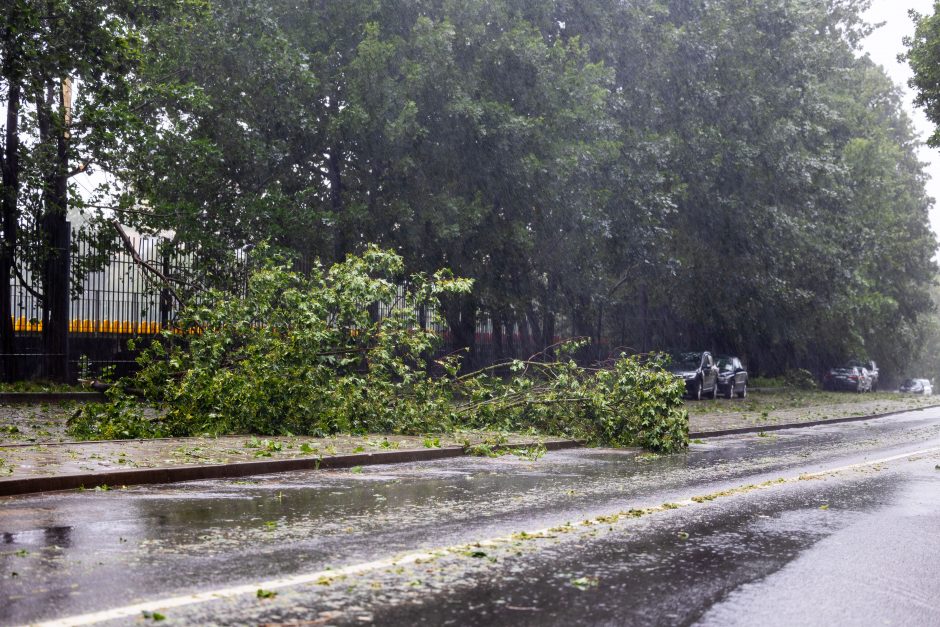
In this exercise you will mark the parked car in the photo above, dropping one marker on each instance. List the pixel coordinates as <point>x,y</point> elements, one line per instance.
<point>732,377</point>
<point>698,370</point>
<point>847,377</point>
<point>916,386</point>
<point>870,366</point>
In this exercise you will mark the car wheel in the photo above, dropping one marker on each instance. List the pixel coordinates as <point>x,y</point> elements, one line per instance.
<point>714,393</point>
<point>743,393</point>
<point>730,392</point>
<point>696,393</point>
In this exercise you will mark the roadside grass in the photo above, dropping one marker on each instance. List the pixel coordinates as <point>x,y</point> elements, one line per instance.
<point>793,406</point>
<point>40,387</point>
<point>768,382</point>
<point>789,398</point>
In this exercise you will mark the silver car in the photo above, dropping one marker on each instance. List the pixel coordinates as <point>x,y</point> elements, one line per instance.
<point>916,386</point>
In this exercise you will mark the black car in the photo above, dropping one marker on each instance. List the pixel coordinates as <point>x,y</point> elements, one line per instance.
<point>698,370</point>
<point>732,377</point>
<point>847,377</point>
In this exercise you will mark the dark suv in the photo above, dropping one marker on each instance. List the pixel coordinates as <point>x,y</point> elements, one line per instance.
<point>698,370</point>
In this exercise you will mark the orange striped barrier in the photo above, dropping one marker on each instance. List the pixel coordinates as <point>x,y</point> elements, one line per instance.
<point>22,324</point>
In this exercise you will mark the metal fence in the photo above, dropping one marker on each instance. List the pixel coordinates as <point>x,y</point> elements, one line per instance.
<point>120,300</point>
<point>113,299</point>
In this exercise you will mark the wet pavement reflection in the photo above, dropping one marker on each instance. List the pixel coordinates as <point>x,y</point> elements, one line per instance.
<point>82,551</point>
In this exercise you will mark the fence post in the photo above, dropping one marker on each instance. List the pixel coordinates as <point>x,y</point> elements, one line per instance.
<point>166,299</point>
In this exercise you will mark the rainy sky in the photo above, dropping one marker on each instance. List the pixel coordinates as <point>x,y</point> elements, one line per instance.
<point>883,46</point>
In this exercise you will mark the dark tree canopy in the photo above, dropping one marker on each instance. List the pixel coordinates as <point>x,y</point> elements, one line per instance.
<point>727,175</point>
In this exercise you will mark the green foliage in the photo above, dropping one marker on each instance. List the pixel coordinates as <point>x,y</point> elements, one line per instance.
<point>634,403</point>
<point>923,55</point>
<point>589,165</point>
<point>592,166</point>
<point>121,418</point>
<point>302,355</point>
<point>800,379</point>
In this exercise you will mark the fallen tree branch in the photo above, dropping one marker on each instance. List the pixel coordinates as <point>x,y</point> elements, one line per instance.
<point>129,246</point>
<point>35,294</point>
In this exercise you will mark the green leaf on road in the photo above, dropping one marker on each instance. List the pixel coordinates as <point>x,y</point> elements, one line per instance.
<point>583,583</point>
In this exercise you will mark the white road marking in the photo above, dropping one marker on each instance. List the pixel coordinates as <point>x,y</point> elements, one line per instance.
<point>137,609</point>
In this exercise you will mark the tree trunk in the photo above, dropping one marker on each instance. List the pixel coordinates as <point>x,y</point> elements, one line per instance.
<point>340,244</point>
<point>534,331</point>
<point>461,315</point>
<point>55,309</point>
<point>548,319</point>
<point>511,336</point>
<point>496,320</point>
<point>644,315</point>
<point>334,164</point>
<point>11,188</point>
<point>56,234</point>
<point>166,298</point>
<point>599,352</point>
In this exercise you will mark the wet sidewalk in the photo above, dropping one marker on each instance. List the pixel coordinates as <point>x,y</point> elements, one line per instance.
<point>46,466</point>
<point>36,454</point>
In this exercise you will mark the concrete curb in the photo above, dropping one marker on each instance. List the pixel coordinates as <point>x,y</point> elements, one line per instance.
<point>798,425</point>
<point>174,474</point>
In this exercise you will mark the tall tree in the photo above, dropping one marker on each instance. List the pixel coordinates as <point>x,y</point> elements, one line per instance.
<point>68,74</point>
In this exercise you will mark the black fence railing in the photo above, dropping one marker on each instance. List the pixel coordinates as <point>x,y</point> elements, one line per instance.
<point>117,300</point>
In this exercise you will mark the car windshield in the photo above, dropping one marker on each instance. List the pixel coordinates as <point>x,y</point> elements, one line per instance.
<point>725,364</point>
<point>686,361</point>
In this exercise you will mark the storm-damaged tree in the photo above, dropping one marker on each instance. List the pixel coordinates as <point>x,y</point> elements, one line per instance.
<point>68,71</point>
<point>655,172</point>
<point>923,55</point>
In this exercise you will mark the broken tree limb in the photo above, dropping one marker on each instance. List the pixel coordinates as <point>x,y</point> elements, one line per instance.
<point>129,246</point>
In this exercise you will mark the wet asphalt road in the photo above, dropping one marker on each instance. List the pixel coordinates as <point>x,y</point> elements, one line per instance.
<point>577,537</point>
